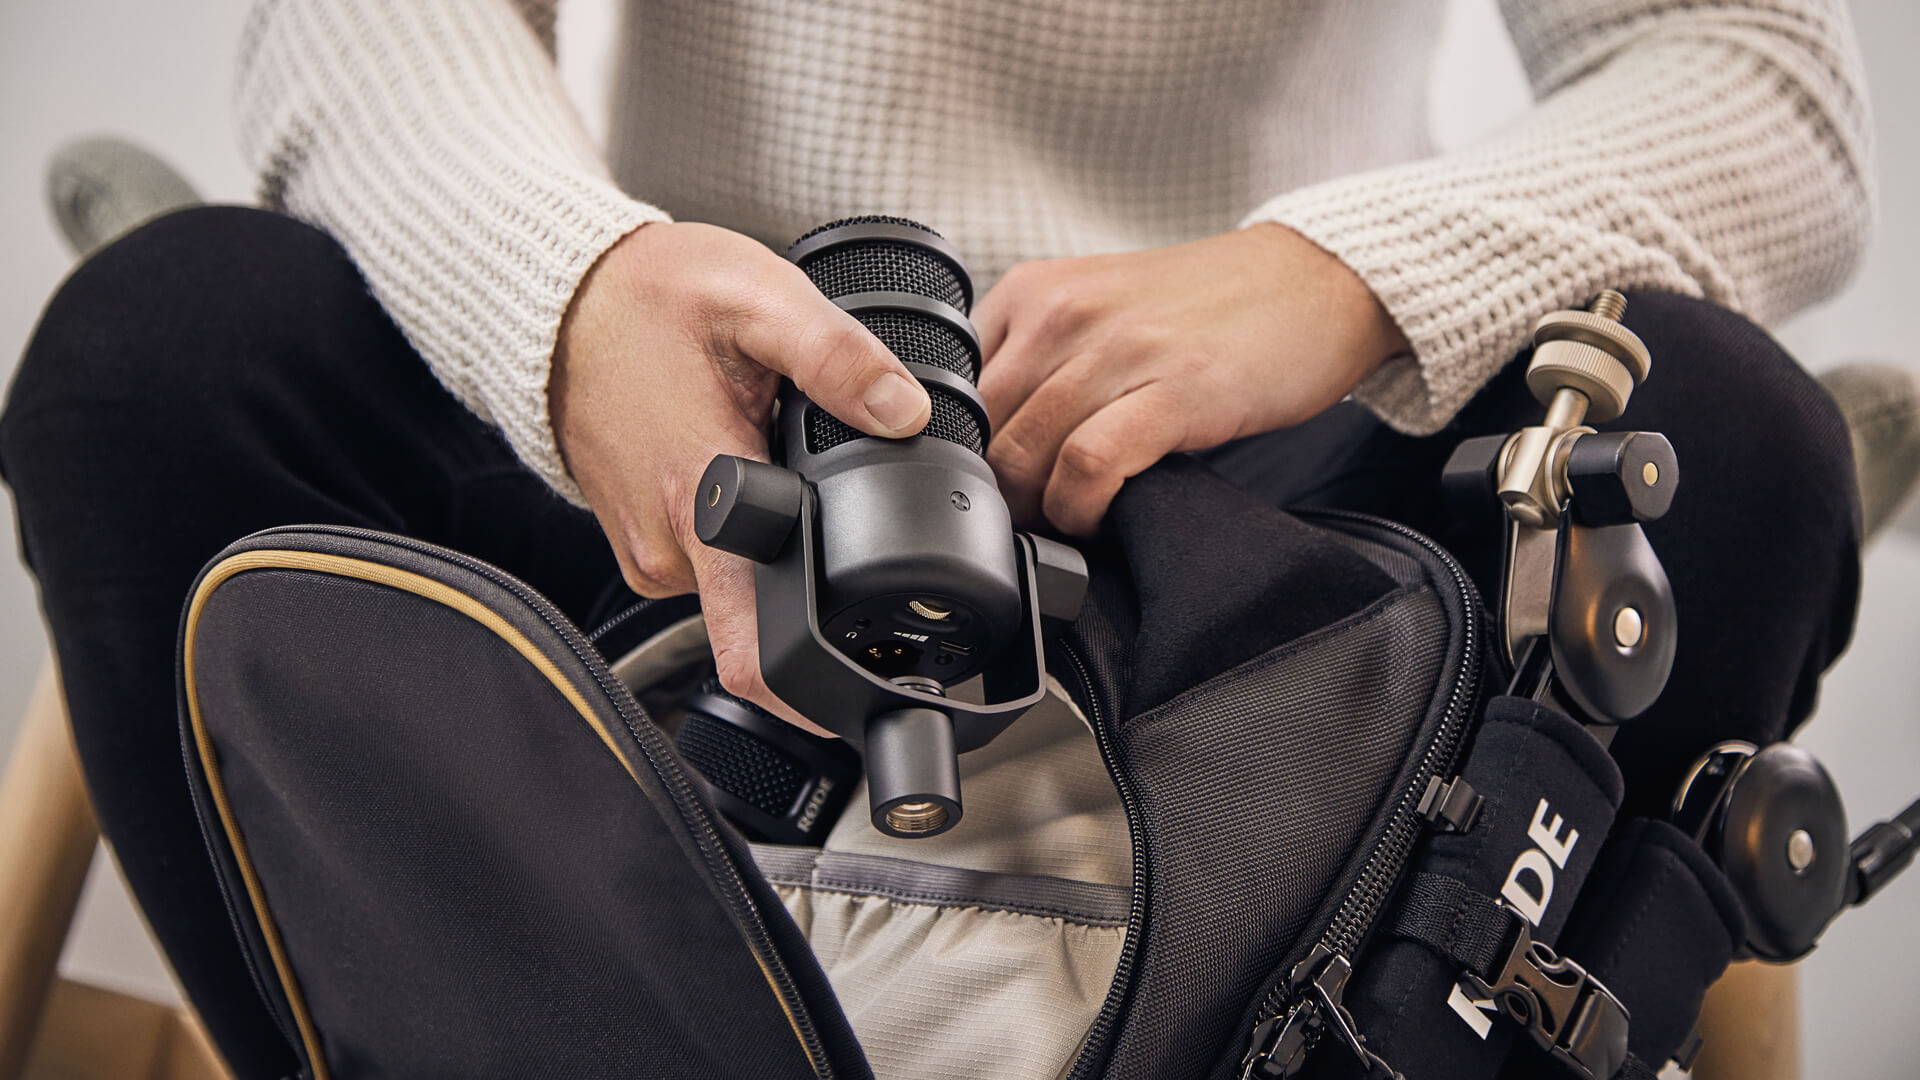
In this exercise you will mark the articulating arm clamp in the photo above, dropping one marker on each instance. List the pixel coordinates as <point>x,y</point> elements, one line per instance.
<point>1586,610</point>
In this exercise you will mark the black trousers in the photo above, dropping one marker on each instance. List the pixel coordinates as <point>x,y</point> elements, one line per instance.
<point>224,370</point>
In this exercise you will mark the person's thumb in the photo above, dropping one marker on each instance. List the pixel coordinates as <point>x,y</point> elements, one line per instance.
<point>836,361</point>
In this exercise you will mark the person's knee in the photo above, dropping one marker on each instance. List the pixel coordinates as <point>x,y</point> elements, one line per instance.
<point>1761,543</point>
<point>1743,416</point>
<point>174,326</point>
<point>164,309</point>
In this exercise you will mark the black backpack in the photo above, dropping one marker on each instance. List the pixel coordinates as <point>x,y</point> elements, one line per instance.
<point>455,844</point>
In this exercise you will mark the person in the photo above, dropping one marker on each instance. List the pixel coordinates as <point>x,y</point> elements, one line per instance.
<point>1213,226</point>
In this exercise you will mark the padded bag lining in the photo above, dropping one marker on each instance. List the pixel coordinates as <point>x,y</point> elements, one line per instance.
<point>983,953</point>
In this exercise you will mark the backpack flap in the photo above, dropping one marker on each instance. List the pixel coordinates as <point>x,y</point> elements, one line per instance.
<point>454,845</point>
<point>1270,695</point>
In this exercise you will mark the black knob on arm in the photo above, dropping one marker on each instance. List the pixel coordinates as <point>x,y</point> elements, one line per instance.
<point>746,507</point>
<point>1621,477</point>
<point>1470,478</point>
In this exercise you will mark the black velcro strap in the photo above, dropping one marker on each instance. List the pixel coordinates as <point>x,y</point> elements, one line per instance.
<point>1570,1015</point>
<point>1635,1069</point>
<point>1468,927</point>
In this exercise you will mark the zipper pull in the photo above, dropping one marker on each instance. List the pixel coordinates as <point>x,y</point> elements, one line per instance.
<point>1281,1044</point>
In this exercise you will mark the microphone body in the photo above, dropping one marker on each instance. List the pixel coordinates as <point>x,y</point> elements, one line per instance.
<point>888,569</point>
<point>917,549</point>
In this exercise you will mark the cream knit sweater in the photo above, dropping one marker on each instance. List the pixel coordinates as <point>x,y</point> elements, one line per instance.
<point>1718,149</point>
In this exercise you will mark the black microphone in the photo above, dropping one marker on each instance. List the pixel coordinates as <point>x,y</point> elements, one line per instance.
<point>776,782</point>
<point>919,555</point>
<point>889,569</point>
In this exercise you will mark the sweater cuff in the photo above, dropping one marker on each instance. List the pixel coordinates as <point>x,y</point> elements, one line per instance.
<point>1462,286</point>
<point>521,409</point>
<point>434,141</point>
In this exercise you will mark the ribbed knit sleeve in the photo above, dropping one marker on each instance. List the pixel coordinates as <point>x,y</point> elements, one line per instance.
<point>433,139</point>
<point>1712,149</point>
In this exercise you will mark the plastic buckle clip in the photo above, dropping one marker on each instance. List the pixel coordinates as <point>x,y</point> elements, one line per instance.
<point>1567,1012</point>
<point>1450,805</point>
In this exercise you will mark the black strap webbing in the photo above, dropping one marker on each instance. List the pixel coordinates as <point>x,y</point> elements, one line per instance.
<point>1565,1011</point>
<point>1468,927</point>
<point>1635,1069</point>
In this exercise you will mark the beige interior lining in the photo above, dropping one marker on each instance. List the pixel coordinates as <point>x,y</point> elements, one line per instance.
<point>947,991</point>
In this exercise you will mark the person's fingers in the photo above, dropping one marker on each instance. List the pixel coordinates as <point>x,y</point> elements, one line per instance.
<point>1047,318</point>
<point>1025,444</point>
<point>1022,323</point>
<point>725,584</point>
<point>733,632</point>
<point>1011,374</point>
<point>645,539</point>
<point>646,507</point>
<point>1117,442</point>
<point>832,358</point>
<point>1030,356</point>
<point>993,314</point>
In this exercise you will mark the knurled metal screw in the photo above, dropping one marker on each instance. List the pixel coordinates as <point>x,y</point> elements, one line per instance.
<point>1589,354</point>
<point>1585,366</point>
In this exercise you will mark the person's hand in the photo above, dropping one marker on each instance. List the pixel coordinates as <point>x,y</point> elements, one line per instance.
<point>671,352</point>
<point>1097,367</point>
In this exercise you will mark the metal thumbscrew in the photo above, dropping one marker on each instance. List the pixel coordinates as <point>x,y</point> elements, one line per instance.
<point>1573,400</point>
<point>1609,305</point>
<point>1585,366</point>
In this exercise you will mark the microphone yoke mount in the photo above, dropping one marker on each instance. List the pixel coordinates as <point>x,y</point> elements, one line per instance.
<point>911,731</point>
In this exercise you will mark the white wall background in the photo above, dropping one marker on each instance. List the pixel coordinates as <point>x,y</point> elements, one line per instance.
<point>160,72</point>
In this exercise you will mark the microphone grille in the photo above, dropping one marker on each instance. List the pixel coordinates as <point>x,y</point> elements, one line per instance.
<point>884,265</point>
<point>949,420</point>
<point>915,337</point>
<point>748,768</point>
<point>889,256</point>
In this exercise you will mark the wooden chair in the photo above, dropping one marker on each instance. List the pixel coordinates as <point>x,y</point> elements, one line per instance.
<point>52,1027</point>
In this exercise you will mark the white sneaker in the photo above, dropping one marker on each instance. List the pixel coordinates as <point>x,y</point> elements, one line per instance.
<point>1882,405</point>
<point>103,187</point>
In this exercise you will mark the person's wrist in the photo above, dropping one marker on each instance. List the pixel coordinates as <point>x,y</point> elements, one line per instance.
<point>598,298</point>
<point>1368,334</point>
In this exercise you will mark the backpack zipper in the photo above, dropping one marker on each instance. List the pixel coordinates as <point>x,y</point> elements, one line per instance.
<point>241,938</point>
<point>1298,1012</point>
<point>620,618</point>
<point>712,848</point>
<point>1094,1047</point>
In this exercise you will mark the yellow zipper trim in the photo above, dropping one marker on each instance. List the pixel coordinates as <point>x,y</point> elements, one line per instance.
<point>427,588</point>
